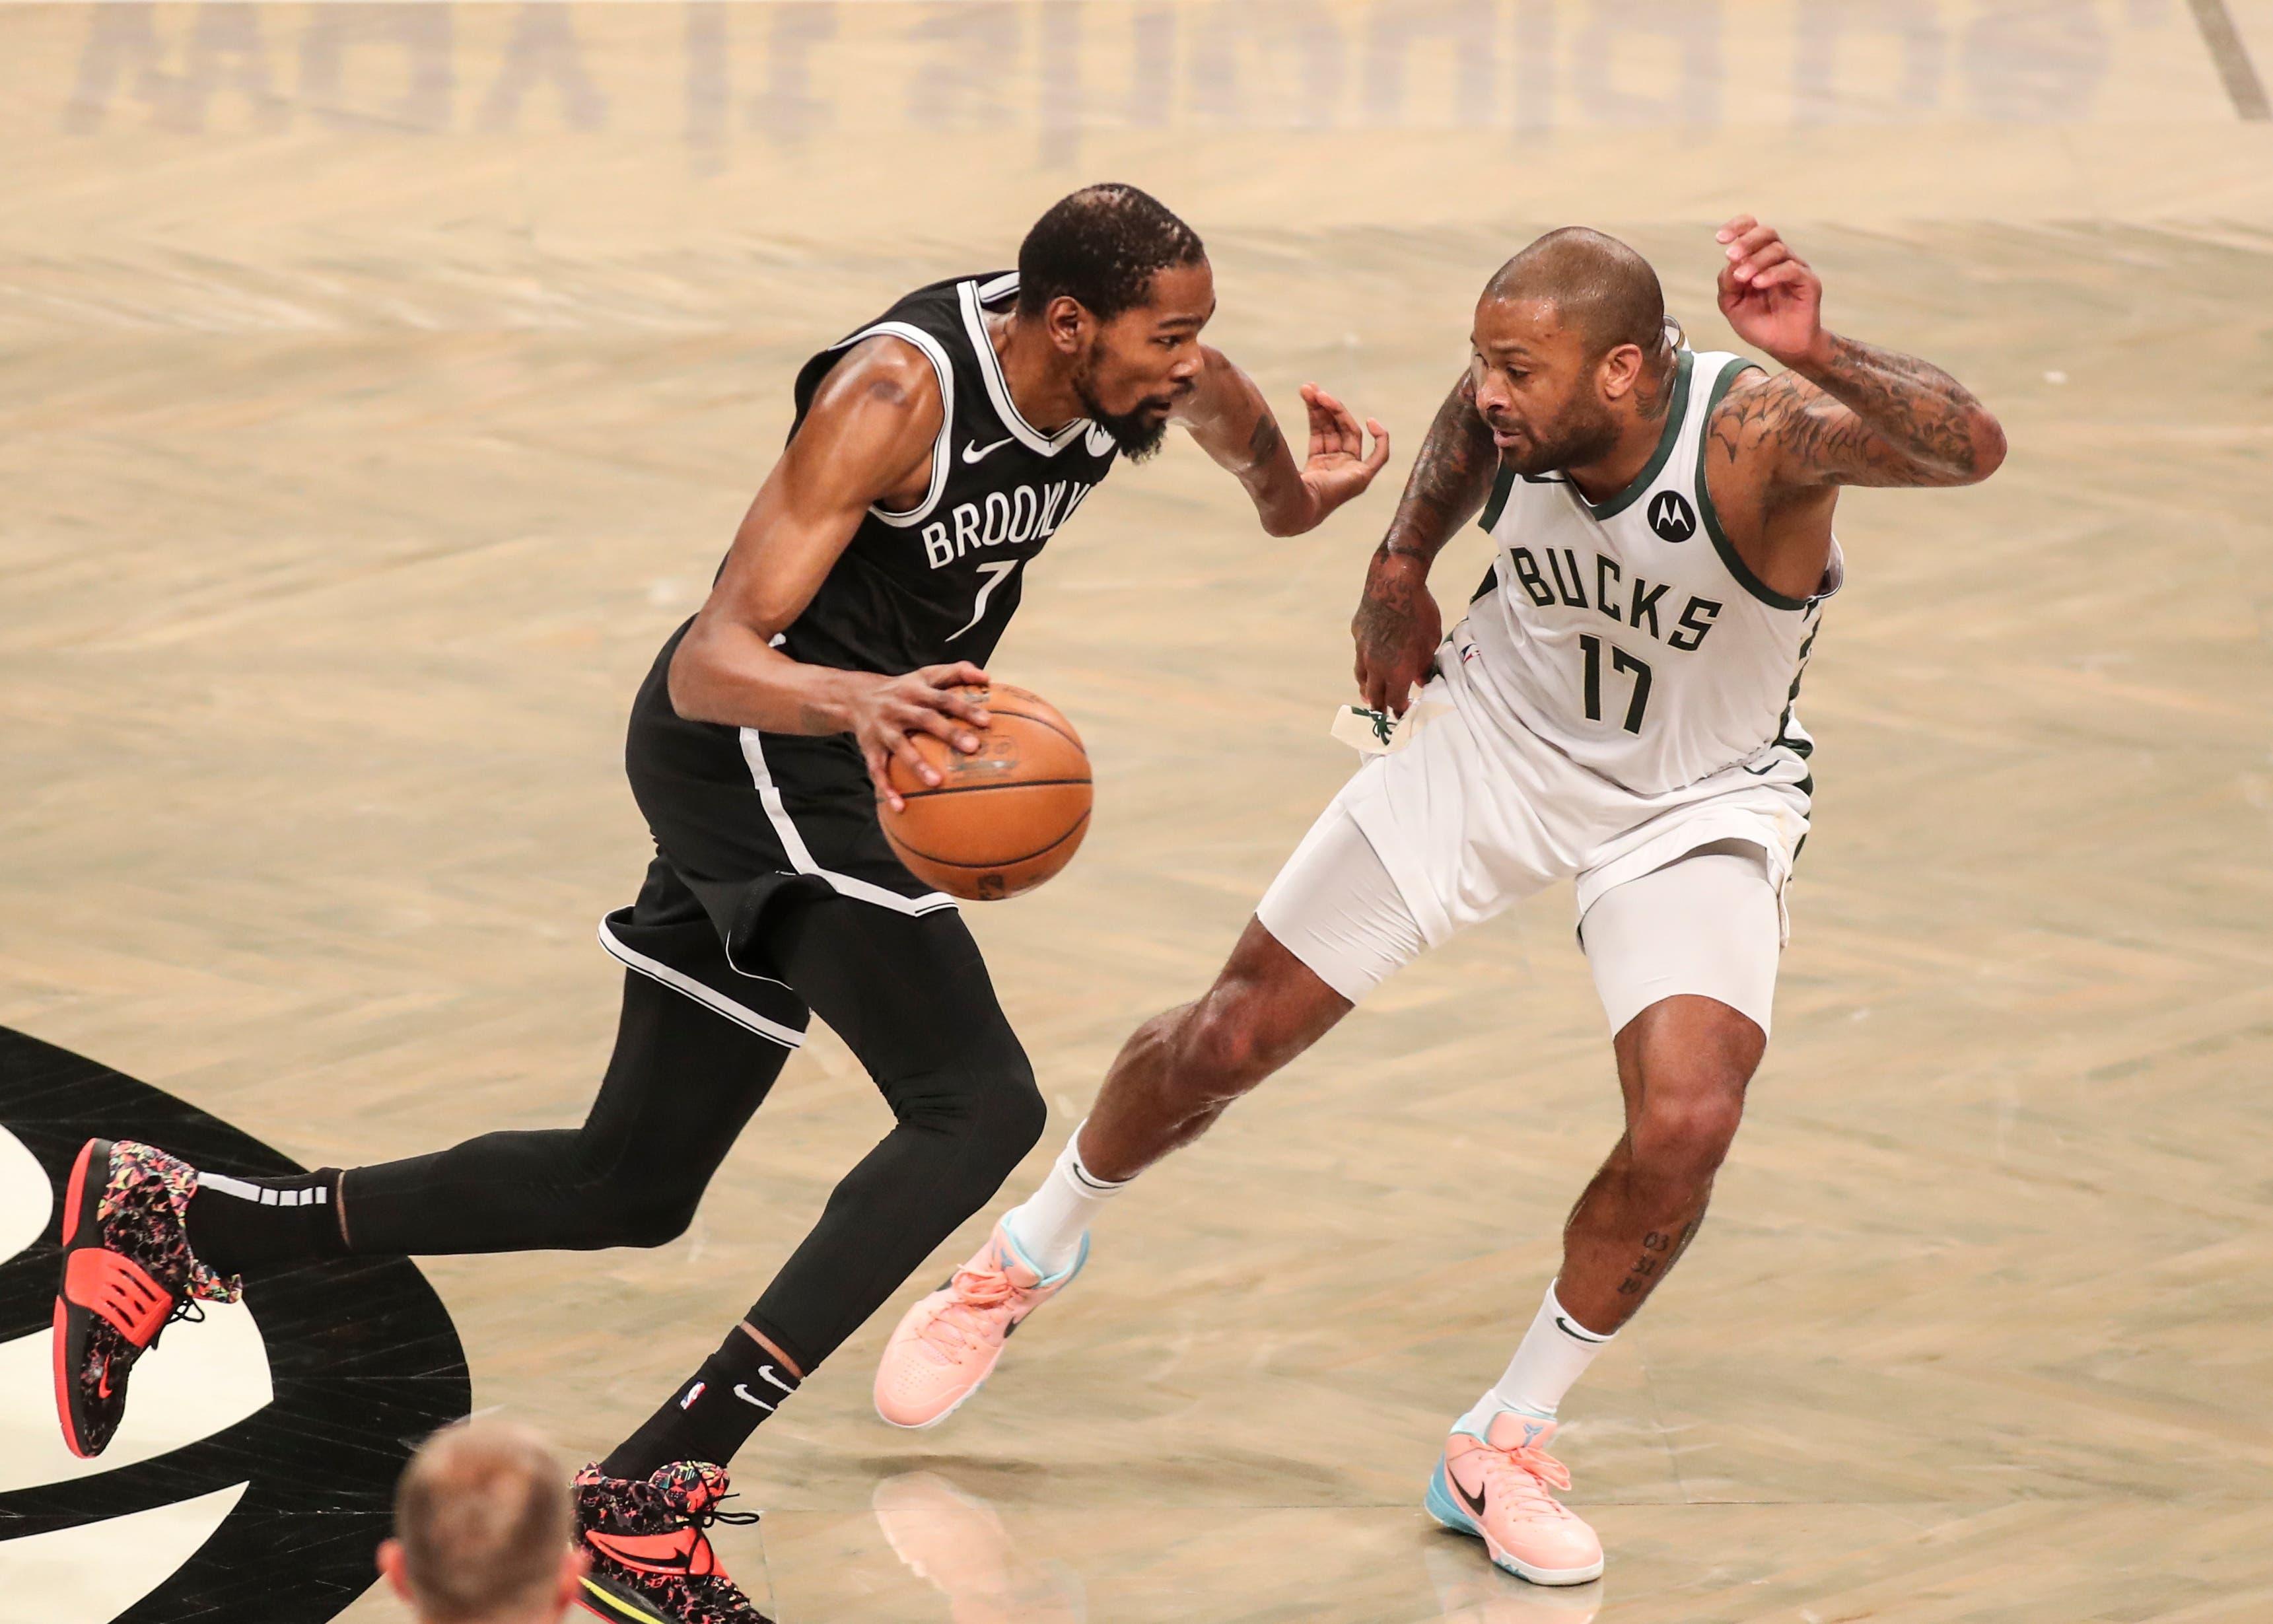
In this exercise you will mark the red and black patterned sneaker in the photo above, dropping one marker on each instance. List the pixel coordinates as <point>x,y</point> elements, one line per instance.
<point>128,1274</point>
<point>651,1563</point>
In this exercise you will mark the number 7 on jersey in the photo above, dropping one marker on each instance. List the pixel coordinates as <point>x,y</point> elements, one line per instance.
<point>996,574</point>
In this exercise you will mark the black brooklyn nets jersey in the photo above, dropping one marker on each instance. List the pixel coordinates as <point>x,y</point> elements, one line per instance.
<point>738,814</point>
<point>940,581</point>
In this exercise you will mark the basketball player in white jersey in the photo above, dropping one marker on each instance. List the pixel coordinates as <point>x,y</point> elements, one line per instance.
<point>1616,709</point>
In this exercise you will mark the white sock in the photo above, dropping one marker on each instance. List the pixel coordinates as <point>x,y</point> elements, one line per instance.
<point>1049,1225</point>
<point>1554,1353</point>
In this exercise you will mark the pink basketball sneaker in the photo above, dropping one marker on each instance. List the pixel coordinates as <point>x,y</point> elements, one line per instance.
<point>1495,1487</point>
<point>946,1344</point>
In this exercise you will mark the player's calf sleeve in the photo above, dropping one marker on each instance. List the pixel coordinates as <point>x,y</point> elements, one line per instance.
<point>1048,1225</point>
<point>255,1227</point>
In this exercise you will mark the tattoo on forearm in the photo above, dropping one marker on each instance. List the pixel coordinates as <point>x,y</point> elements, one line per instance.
<point>1870,417</point>
<point>1450,479</point>
<point>1264,443</point>
<point>1386,612</point>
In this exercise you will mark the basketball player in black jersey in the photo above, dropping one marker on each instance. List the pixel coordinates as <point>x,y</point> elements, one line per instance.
<point>935,451</point>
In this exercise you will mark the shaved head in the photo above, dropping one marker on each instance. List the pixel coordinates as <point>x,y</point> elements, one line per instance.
<point>1599,287</point>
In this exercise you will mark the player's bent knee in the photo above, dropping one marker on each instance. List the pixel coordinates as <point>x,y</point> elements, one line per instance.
<point>653,1225</point>
<point>1688,1137</point>
<point>1017,1116</point>
<point>626,1209</point>
<point>990,1103</point>
<point>1220,1054</point>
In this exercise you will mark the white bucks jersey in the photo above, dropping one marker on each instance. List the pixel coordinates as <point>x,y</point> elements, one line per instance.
<point>1630,635</point>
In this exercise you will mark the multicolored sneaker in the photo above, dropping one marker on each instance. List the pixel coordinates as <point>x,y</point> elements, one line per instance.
<point>1494,1485</point>
<point>946,1344</point>
<point>128,1274</point>
<point>650,1561</point>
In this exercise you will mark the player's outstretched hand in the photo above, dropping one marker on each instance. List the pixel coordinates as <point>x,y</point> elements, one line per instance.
<point>1770,294</point>
<point>1339,466</point>
<point>889,711</point>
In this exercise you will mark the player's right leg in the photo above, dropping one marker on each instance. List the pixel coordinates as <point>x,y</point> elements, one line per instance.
<point>910,996</point>
<point>1329,929</point>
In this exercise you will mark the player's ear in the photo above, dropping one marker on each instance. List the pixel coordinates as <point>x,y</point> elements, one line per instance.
<point>1619,372</point>
<point>390,1563</point>
<point>1069,324</point>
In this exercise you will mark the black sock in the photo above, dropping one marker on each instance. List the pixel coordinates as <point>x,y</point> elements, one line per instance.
<point>713,1413</point>
<point>265,1226</point>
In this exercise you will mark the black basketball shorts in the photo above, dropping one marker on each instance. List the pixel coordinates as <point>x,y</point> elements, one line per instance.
<point>741,819</point>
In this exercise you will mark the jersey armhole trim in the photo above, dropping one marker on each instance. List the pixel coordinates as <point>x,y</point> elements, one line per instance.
<point>1502,483</point>
<point>1730,559</point>
<point>940,448</point>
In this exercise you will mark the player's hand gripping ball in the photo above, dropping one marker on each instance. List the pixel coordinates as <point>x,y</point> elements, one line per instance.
<point>1002,819</point>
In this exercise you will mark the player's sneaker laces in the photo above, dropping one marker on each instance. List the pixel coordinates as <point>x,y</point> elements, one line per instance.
<point>946,1344</point>
<point>128,1273</point>
<point>1495,1486</point>
<point>651,1563</point>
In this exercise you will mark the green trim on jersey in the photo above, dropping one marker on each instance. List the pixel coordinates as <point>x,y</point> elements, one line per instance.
<point>1675,412</point>
<point>1502,483</point>
<point>1730,556</point>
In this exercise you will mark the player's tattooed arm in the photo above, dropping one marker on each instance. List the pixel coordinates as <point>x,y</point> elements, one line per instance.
<point>1232,423</point>
<point>1397,625</point>
<point>1846,412</point>
<point>1858,415</point>
<point>867,437</point>
<point>1450,478</point>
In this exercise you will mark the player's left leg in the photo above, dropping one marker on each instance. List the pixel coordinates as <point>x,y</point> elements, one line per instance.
<point>145,1233</point>
<point>1684,959</point>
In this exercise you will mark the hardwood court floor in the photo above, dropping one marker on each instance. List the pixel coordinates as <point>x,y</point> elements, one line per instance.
<point>377,388</point>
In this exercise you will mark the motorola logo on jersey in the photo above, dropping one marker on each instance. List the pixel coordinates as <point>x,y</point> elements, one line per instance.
<point>255,1472</point>
<point>1671,517</point>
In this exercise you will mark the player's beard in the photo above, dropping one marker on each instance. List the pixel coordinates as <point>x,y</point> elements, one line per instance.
<point>1137,434</point>
<point>1584,433</point>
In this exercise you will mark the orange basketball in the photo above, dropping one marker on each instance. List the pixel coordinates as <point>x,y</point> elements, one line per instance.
<point>1003,820</point>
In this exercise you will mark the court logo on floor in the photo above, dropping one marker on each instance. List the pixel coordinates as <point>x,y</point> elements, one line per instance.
<point>1671,517</point>
<point>254,1475</point>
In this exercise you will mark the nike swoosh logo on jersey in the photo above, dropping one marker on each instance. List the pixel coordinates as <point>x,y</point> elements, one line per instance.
<point>976,453</point>
<point>748,1397</point>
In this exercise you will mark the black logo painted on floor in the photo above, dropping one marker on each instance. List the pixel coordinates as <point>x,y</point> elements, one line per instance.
<point>1671,517</point>
<point>363,1361</point>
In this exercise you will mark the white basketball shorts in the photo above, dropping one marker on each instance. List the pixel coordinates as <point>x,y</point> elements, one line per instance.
<point>1677,892</point>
